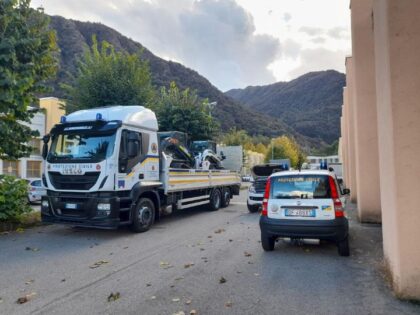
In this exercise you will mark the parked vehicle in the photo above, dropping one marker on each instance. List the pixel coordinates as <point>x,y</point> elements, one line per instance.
<point>260,173</point>
<point>104,168</point>
<point>35,190</point>
<point>304,205</point>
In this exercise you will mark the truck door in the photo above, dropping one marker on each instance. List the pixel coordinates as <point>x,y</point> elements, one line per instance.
<point>129,156</point>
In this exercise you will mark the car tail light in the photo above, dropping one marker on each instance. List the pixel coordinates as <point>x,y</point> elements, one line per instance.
<point>33,188</point>
<point>338,206</point>
<point>264,211</point>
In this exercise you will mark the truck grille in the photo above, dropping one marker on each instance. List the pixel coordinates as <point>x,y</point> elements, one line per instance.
<point>260,185</point>
<point>73,182</point>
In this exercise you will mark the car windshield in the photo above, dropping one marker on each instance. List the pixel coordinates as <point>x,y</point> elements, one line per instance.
<point>300,187</point>
<point>81,147</point>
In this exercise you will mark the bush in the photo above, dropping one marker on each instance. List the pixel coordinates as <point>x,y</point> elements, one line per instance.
<point>13,198</point>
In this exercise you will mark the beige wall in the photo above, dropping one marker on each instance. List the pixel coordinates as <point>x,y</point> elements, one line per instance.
<point>344,136</point>
<point>350,112</point>
<point>53,111</point>
<point>364,104</point>
<point>397,47</point>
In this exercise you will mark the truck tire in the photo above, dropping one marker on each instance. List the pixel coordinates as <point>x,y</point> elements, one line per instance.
<point>215,199</point>
<point>252,208</point>
<point>344,247</point>
<point>225,197</point>
<point>143,215</point>
<point>267,242</point>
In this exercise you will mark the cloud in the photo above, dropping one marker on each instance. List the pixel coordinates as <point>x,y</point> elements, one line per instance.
<point>339,33</point>
<point>287,17</point>
<point>216,38</point>
<point>319,59</point>
<point>311,31</point>
<point>290,49</point>
<point>318,40</point>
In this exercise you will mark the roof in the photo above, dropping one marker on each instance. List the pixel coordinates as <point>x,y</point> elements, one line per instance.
<point>302,172</point>
<point>133,115</point>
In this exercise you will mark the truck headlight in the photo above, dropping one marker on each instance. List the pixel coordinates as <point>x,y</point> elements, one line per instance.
<point>44,203</point>
<point>252,189</point>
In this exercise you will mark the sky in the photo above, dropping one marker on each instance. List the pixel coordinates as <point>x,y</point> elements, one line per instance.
<point>233,43</point>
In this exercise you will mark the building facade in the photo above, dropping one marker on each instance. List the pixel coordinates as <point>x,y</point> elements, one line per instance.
<point>31,167</point>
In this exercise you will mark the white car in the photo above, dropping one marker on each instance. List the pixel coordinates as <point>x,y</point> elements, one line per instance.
<point>304,205</point>
<point>35,191</point>
<point>260,173</point>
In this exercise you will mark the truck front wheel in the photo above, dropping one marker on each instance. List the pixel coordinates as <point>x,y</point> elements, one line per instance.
<point>143,215</point>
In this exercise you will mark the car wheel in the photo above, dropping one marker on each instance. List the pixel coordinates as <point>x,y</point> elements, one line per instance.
<point>226,198</point>
<point>252,208</point>
<point>215,200</point>
<point>267,242</point>
<point>343,247</point>
<point>143,215</point>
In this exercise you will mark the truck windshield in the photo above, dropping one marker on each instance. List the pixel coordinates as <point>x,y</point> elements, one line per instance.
<point>300,187</point>
<point>81,147</point>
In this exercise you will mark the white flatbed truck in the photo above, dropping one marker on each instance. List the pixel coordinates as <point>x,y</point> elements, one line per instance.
<point>103,168</point>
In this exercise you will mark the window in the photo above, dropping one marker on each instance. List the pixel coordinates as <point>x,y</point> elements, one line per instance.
<point>126,163</point>
<point>33,169</point>
<point>11,168</point>
<point>36,146</point>
<point>300,186</point>
<point>81,147</point>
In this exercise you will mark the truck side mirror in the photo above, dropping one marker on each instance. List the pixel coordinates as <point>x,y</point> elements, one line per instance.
<point>346,191</point>
<point>222,156</point>
<point>45,139</point>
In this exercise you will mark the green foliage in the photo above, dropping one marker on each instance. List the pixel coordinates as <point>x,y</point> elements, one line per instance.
<point>332,149</point>
<point>27,59</point>
<point>13,198</point>
<point>184,111</point>
<point>241,137</point>
<point>285,148</point>
<point>106,77</point>
<point>235,137</point>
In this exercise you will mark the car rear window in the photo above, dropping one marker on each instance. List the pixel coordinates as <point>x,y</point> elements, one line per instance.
<point>36,183</point>
<point>300,187</point>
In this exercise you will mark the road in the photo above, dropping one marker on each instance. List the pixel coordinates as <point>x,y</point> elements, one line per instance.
<point>178,266</point>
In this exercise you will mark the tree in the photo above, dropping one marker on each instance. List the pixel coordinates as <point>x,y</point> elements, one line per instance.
<point>184,111</point>
<point>106,77</point>
<point>236,137</point>
<point>285,148</point>
<point>27,59</point>
<point>261,148</point>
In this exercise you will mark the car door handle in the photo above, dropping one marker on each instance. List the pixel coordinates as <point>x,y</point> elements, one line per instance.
<point>141,176</point>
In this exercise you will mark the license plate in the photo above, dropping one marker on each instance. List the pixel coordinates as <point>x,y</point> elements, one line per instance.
<point>299,213</point>
<point>71,206</point>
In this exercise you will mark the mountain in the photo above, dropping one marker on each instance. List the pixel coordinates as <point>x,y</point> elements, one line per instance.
<point>73,36</point>
<point>310,104</point>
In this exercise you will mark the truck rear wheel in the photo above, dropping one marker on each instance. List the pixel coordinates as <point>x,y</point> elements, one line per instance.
<point>226,198</point>
<point>215,199</point>
<point>143,215</point>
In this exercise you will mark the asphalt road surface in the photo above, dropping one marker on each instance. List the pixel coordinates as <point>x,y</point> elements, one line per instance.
<point>210,262</point>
